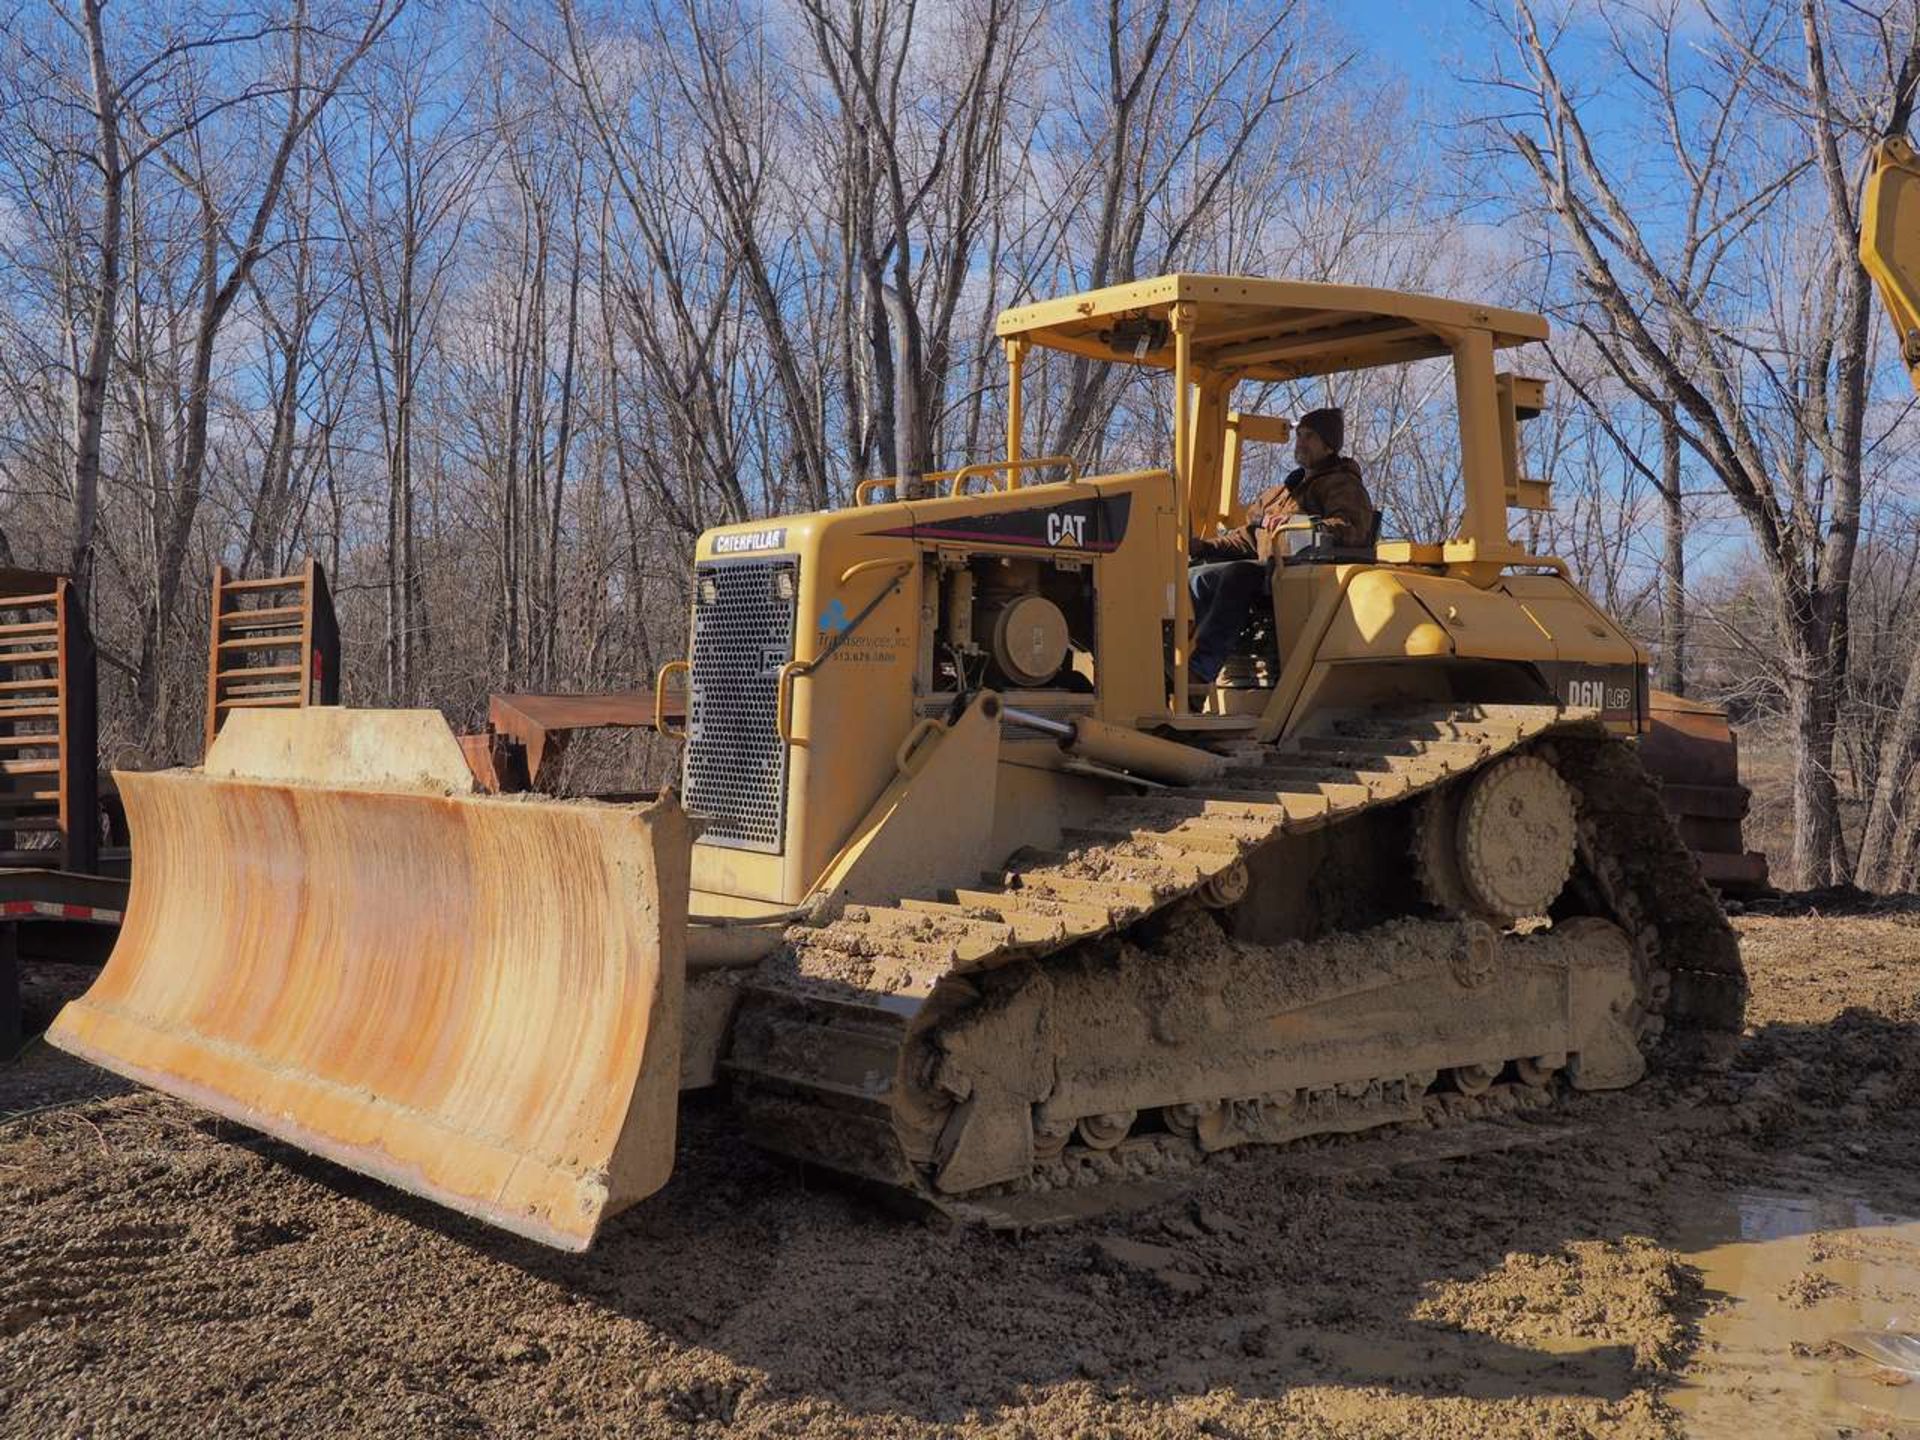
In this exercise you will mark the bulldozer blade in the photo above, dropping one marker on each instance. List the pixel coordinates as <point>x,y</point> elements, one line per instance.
<point>473,998</point>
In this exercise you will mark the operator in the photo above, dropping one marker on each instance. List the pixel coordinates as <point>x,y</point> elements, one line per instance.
<point>1231,570</point>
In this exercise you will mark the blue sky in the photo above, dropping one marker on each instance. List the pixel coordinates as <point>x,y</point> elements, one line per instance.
<point>1414,35</point>
<point>1434,43</point>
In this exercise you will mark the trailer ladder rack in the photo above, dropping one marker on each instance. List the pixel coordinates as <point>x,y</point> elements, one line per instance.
<point>273,643</point>
<point>48,776</point>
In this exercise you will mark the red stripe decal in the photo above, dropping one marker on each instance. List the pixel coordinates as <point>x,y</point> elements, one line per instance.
<point>1017,542</point>
<point>48,910</point>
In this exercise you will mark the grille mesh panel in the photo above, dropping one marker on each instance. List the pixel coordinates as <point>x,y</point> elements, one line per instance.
<point>736,768</point>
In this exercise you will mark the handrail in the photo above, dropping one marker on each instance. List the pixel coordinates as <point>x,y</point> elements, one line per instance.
<point>863,566</point>
<point>1543,562</point>
<point>886,482</point>
<point>783,698</point>
<point>660,699</point>
<point>956,479</point>
<point>1013,468</point>
<point>914,745</point>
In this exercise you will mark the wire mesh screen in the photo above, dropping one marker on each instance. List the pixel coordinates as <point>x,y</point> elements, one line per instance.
<point>736,770</point>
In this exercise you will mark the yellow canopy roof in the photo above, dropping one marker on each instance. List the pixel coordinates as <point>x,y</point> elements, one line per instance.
<point>1262,329</point>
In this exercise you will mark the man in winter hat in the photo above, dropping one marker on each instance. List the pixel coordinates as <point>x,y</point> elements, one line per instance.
<point>1231,570</point>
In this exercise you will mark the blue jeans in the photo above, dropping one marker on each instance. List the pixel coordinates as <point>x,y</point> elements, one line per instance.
<point>1223,596</point>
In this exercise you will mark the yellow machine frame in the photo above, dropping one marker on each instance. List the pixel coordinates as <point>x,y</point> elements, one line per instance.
<point>849,741</point>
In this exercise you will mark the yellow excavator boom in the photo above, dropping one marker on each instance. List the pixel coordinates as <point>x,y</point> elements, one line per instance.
<point>1890,243</point>
<point>331,939</point>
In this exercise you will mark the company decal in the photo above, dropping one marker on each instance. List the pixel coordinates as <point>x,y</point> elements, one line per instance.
<point>860,649</point>
<point>1095,526</point>
<point>1613,690</point>
<point>837,642</point>
<point>750,542</point>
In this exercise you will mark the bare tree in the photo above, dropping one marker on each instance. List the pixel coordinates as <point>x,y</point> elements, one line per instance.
<point>186,154</point>
<point>1165,129</point>
<point>1677,325</point>
<point>404,209</point>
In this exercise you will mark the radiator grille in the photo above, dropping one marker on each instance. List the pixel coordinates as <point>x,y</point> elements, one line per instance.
<point>736,767</point>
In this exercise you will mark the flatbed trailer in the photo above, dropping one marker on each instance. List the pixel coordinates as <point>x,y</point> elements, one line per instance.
<point>56,915</point>
<point>273,642</point>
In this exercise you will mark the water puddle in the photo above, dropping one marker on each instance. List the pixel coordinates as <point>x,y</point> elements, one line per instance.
<point>1789,1279</point>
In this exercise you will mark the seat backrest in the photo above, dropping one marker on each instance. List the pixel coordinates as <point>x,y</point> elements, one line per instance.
<point>1328,553</point>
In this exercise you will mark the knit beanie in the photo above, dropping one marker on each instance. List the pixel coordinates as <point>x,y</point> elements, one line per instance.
<point>1330,425</point>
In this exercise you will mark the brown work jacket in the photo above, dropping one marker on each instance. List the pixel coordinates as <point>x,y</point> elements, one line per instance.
<point>1331,490</point>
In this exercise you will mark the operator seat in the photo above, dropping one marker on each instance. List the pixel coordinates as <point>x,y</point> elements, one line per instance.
<point>1322,552</point>
<point>1258,643</point>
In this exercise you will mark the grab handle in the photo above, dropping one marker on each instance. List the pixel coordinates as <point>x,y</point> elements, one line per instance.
<point>660,699</point>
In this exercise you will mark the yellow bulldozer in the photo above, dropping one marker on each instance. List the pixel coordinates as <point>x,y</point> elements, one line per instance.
<point>969,899</point>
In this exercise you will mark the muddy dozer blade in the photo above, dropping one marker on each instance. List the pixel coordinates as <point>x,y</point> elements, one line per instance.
<point>474,998</point>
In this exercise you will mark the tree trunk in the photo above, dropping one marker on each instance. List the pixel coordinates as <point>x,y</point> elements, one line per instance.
<point>1816,804</point>
<point>885,394</point>
<point>911,446</point>
<point>90,385</point>
<point>1673,576</point>
<point>1888,821</point>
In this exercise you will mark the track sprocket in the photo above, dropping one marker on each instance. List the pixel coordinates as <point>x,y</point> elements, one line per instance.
<point>1516,837</point>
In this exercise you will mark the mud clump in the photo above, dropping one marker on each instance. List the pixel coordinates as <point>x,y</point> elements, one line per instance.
<point>162,1272</point>
<point>1628,1292</point>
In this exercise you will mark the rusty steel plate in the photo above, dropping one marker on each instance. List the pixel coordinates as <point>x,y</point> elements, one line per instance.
<point>472,998</point>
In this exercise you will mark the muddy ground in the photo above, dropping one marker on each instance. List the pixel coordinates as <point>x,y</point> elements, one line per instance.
<point>164,1273</point>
